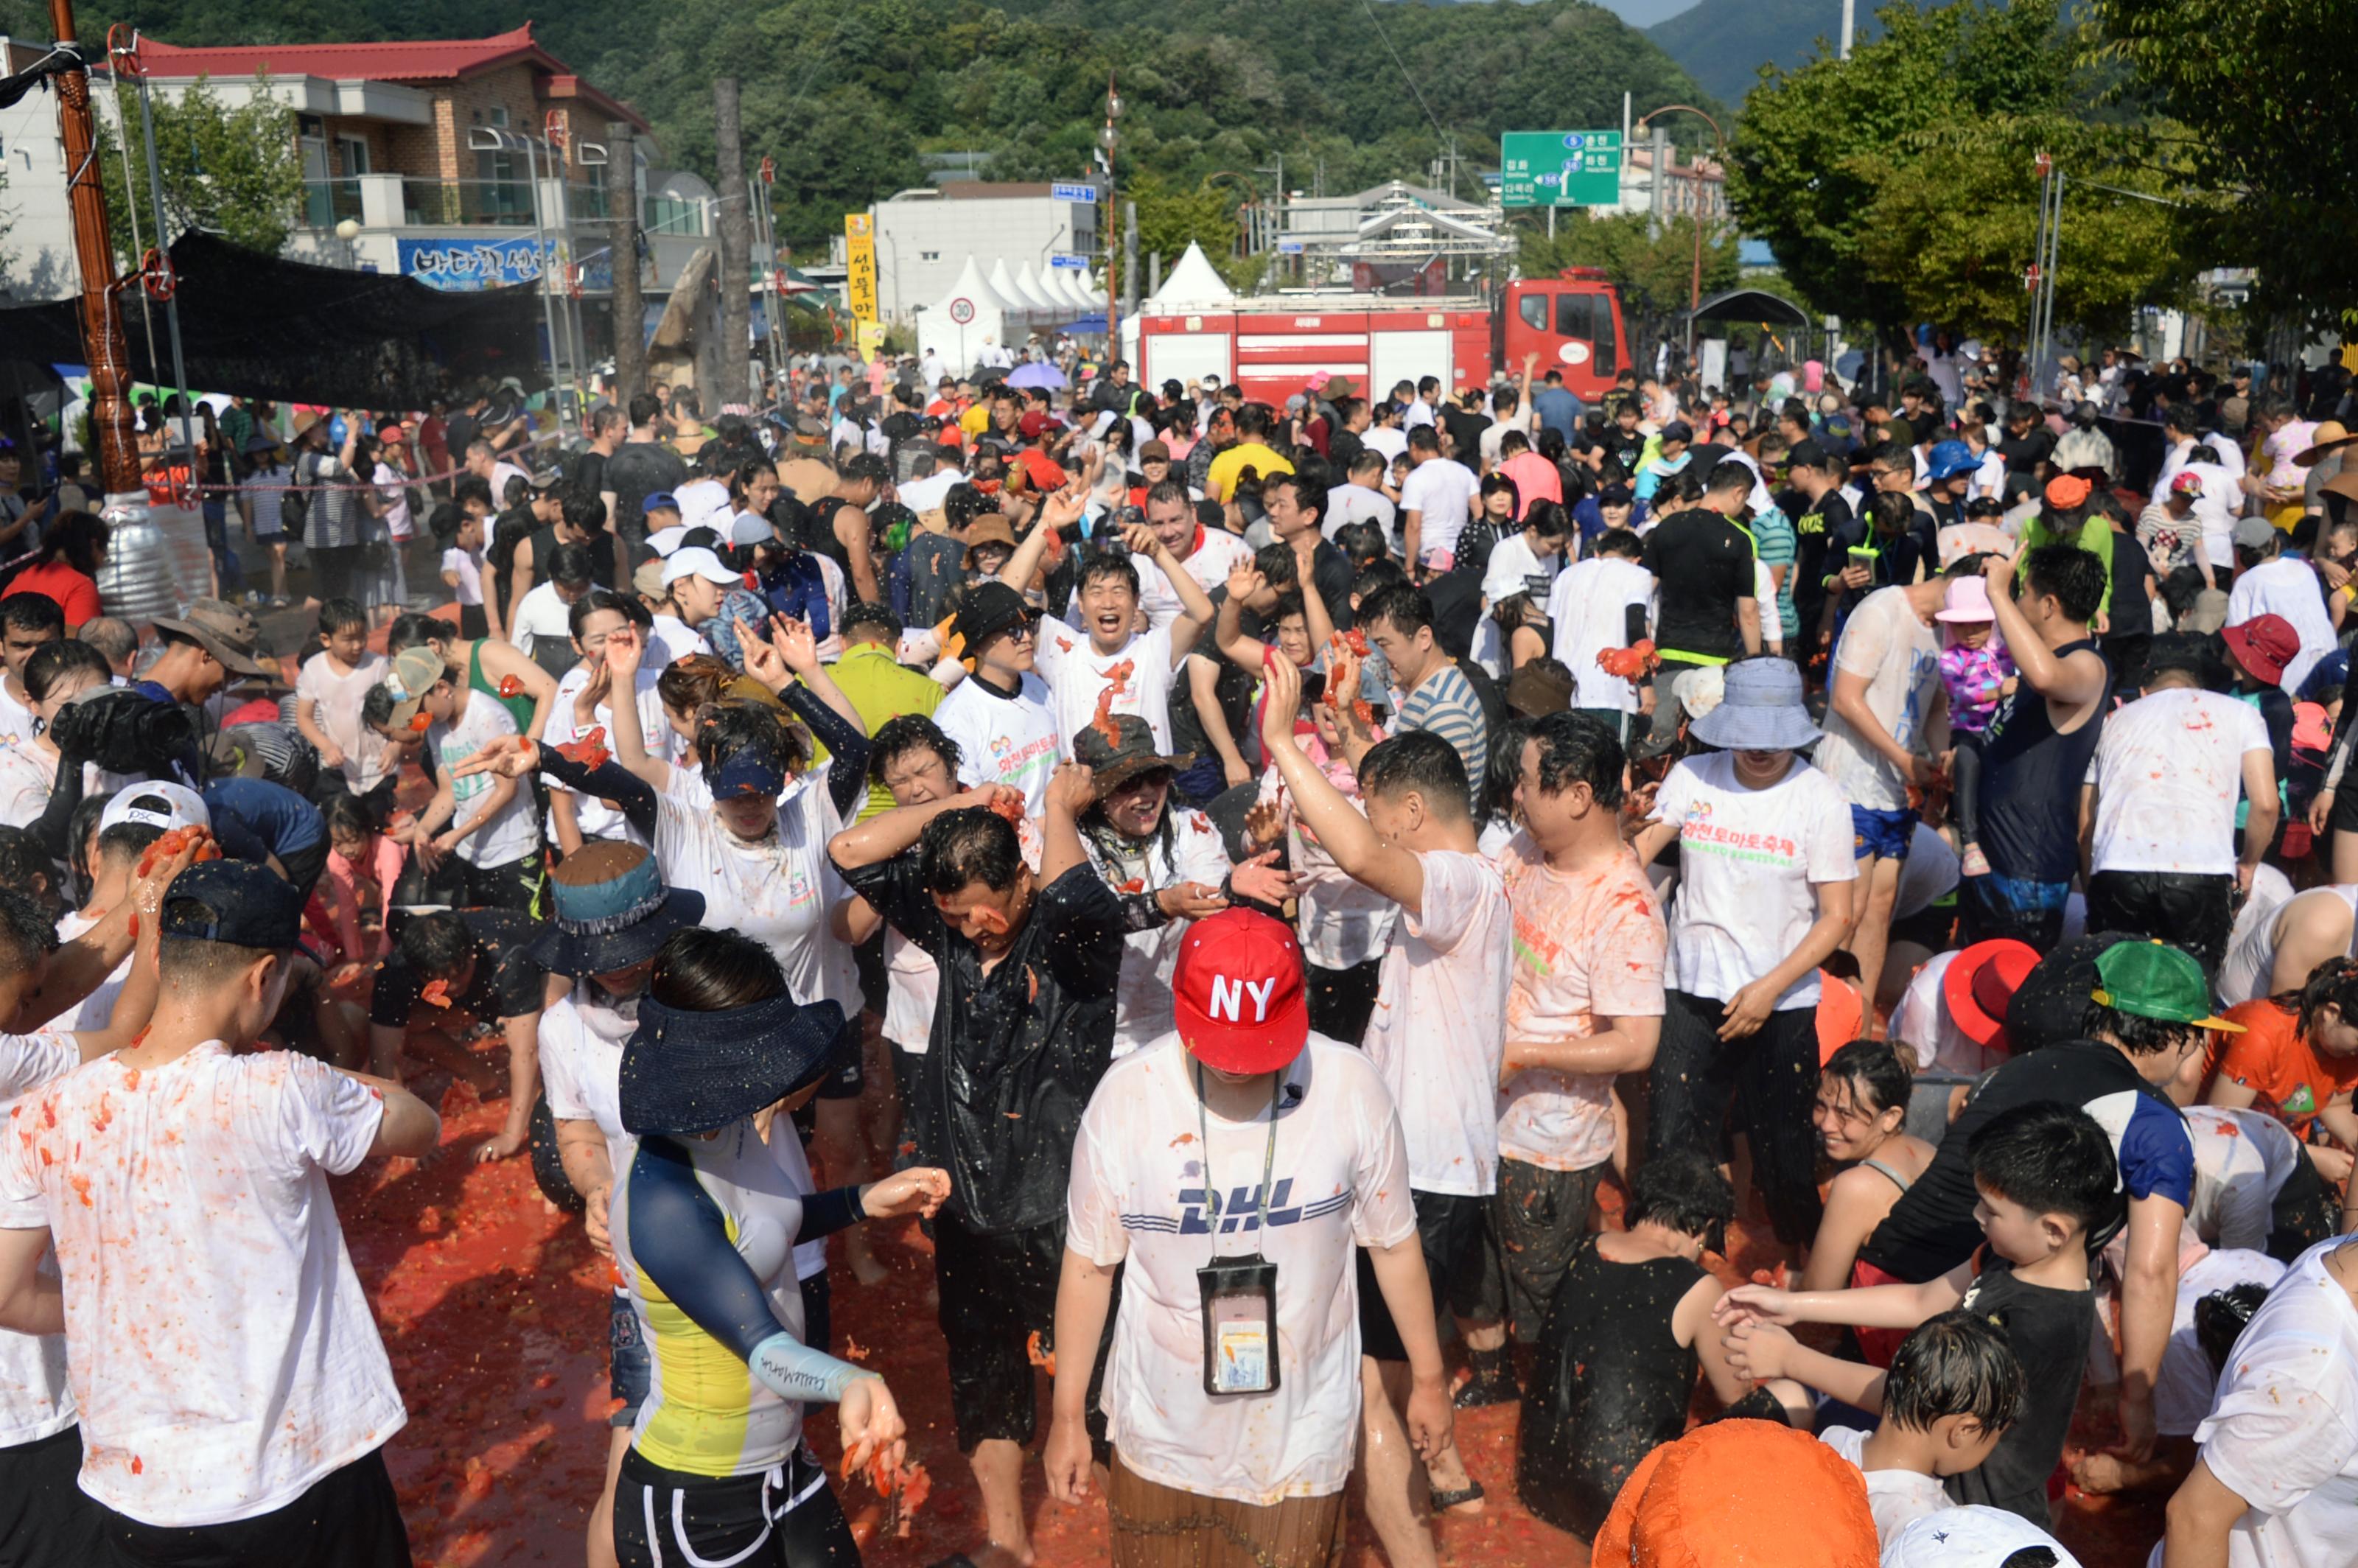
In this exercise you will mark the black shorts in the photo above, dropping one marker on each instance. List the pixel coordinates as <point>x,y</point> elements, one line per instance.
<point>45,1516</point>
<point>771,1519</point>
<point>517,885</point>
<point>630,1366</point>
<point>1449,1225</point>
<point>1537,1219</point>
<point>348,1519</point>
<point>998,1291</point>
<point>869,958</point>
<point>305,865</point>
<point>2194,912</point>
<point>848,1075</point>
<point>1342,1001</point>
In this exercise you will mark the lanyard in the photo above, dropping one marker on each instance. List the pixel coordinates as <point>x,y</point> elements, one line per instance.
<point>1268,1164</point>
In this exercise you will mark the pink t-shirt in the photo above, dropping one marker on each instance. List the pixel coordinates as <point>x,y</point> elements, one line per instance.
<point>1536,479</point>
<point>344,897</point>
<point>1587,945</point>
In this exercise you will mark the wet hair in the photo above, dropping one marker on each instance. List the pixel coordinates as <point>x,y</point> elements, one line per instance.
<point>2074,576</point>
<point>569,566</point>
<point>734,726</point>
<point>30,612</point>
<point>2051,1158</point>
<point>27,931</point>
<point>1878,1079</point>
<point>2137,1034</point>
<point>590,603</point>
<point>335,614</point>
<point>51,663</point>
<point>1505,769</point>
<point>2221,1318</point>
<point>436,946</point>
<point>80,538</point>
<point>904,733</point>
<point>699,969</point>
<point>1405,606</point>
<point>1682,1191</point>
<point>1372,579</point>
<point>1548,519</point>
<point>879,616</point>
<point>415,630</point>
<point>470,487</point>
<point>202,965</point>
<point>348,814</point>
<point>1276,565</point>
<point>376,706</point>
<point>1730,476</point>
<point>1577,749</point>
<point>1957,1363</point>
<point>1103,565</point>
<point>969,845</point>
<point>584,509</point>
<point>689,683</point>
<point>2335,981</point>
<point>1419,763</point>
<point>1362,543</point>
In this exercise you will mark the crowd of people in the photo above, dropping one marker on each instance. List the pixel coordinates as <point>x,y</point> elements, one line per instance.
<point>1570,846</point>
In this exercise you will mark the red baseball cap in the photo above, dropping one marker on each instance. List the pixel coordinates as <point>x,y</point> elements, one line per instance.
<point>1238,997</point>
<point>2264,644</point>
<point>1032,424</point>
<point>1979,982</point>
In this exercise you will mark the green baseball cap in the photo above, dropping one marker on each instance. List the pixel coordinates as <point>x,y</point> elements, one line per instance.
<point>2152,979</point>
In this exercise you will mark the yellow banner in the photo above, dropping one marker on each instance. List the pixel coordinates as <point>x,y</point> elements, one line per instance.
<point>872,339</point>
<point>859,252</point>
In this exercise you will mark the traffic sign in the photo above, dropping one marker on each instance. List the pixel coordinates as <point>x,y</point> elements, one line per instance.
<point>1560,168</point>
<point>1070,264</point>
<point>961,311</point>
<point>1073,193</point>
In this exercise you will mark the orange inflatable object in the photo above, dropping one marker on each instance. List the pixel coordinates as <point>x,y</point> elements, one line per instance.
<point>1740,1493</point>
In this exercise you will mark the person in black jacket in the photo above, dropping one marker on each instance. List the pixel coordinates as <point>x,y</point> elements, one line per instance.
<point>1022,1031</point>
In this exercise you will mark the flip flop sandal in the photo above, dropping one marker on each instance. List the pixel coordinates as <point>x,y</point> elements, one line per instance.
<point>1469,1493</point>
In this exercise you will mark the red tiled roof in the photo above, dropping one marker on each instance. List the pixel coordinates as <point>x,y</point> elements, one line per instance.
<point>415,60</point>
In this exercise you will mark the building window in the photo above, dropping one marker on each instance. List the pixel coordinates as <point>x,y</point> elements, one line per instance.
<point>354,153</point>
<point>929,256</point>
<point>499,117</point>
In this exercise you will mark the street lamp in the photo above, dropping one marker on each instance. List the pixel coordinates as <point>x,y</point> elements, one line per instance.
<point>496,139</point>
<point>1113,223</point>
<point>1694,288</point>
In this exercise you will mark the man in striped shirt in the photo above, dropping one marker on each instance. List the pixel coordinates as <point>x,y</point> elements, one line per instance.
<point>1434,693</point>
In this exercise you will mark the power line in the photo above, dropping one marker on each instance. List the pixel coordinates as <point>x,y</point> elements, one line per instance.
<point>1402,66</point>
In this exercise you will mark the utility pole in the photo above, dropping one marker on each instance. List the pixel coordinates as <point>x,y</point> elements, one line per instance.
<point>1129,267</point>
<point>1850,16</point>
<point>736,246</point>
<point>108,353</point>
<point>623,252</point>
<point>1658,182</point>
<point>1108,139</point>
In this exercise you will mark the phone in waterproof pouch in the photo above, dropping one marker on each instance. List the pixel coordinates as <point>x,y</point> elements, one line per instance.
<point>1239,1325</point>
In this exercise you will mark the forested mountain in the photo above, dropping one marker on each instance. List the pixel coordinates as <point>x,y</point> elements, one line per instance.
<point>847,94</point>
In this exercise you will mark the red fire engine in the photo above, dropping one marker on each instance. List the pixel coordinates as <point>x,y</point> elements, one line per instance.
<point>1271,346</point>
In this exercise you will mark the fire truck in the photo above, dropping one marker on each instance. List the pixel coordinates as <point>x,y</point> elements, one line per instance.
<point>1271,346</point>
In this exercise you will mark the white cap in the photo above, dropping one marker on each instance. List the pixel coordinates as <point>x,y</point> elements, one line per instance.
<point>663,541</point>
<point>697,561</point>
<point>1701,690</point>
<point>750,528</point>
<point>154,803</point>
<point>1969,1537</point>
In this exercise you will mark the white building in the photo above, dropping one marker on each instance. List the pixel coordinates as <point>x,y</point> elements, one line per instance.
<point>924,236</point>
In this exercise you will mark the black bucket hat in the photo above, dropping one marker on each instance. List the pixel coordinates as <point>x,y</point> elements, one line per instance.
<point>684,1073</point>
<point>612,911</point>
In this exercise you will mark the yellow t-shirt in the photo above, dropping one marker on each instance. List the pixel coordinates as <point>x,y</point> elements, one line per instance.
<point>1222,479</point>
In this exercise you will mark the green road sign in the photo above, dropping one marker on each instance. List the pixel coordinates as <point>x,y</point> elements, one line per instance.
<point>1560,168</point>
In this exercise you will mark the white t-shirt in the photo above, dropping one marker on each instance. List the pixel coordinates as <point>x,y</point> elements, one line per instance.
<point>468,567</point>
<point>676,639</point>
<point>2290,589</point>
<point>1515,568</point>
<point>1216,551</point>
<point>2283,1432</point>
<point>778,889</point>
<point>1391,440</point>
<point>2168,770</point>
<point>96,1010</point>
<point>1900,657</point>
<point>1438,1030</point>
<point>392,489</point>
<point>1896,1498</point>
<point>1746,858</point>
<point>1342,922</point>
<point>219,1346</point>
<point>337,711</point>
<point>1445,495</point>
<point>2242,1161</point>
<point>1004,740</point>
<point>513,834</point>
<point>1138,675</point>
<point>592,815</point>
<point>541,614</point>
<point>1357,504</point>
<point>1588,608</point>
<point>2215,509</point>
<point>1587,946</point>
<point>1195,854</point>
<point>2183,1391</point>
<point>1338,1180</point>
<point>35,1400</point>
<point>1923,1020</point>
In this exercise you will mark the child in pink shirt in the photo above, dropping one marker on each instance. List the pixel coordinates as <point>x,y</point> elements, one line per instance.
<point>1976,669</point>
<point>363,866</point>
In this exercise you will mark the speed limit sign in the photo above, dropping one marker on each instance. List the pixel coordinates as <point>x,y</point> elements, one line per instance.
<point>961,311</point>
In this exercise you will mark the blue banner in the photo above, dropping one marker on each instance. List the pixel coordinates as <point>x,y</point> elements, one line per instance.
<point>469,267</point>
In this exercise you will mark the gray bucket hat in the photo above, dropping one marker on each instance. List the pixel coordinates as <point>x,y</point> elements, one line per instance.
<point>1760,710</point>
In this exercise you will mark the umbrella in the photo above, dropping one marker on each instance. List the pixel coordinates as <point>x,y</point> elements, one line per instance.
<point>1039,373</point>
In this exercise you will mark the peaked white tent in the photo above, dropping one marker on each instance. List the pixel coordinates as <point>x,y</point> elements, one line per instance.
<point>957,342</point>
<point>1002,283</point>
<point>1042,301</point>
<point>1193,281</point>
<point>1063,282</point>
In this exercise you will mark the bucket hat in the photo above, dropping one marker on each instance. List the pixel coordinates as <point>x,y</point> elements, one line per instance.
<point>1760,709</point>
<point>612,911</point>
<point>684,1073</point>
<point>1114,759</point>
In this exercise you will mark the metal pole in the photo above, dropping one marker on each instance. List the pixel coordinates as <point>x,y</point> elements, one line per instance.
<point>1694,288</point>
<point>163,245</point>
<point>540,261</point>
<point>1850,14</point>
<point>773,304</point>
<point>1657,181</point>
<point>117,453</point>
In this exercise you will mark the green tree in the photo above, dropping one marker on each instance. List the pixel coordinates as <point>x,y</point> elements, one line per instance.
<point>232,172</point>
<point>1901,183</point>
<point>2261,91</point>
<point>1655,273</point>
<point>1171,216</point>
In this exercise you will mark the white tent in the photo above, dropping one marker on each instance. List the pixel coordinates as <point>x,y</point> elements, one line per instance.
<point>1193,281</point>
<point>957,342</point>
<point>1042,301</point>
<point>1065,283</point>
<point>1002,283</point>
